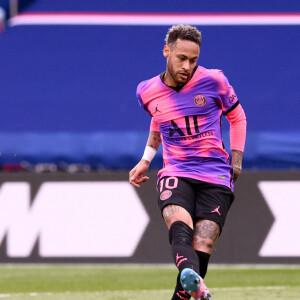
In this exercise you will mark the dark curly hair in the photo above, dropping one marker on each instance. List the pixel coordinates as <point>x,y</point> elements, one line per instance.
<point>183,32</point>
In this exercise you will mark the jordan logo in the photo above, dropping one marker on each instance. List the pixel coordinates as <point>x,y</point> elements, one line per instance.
<point>217,211</point>
<point>179,259</point>
<point>183,295</point>
<point>156,109</point>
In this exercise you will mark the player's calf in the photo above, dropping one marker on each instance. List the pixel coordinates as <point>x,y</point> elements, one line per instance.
<point>184,255</point>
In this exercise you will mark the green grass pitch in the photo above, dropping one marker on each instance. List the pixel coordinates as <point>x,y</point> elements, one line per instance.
<point>123,282</point>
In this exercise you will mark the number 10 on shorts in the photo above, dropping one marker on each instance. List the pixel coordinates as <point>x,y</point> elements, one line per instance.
<point>169,182</point>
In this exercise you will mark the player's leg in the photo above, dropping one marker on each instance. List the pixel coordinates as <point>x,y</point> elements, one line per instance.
<point>203,262</point>
<point>206,233</point>
<point>205,236</point>
<point>181,238</point>
<point>212,205</point>
<point>176,200</point>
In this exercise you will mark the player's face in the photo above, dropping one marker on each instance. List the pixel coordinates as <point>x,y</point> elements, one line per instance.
<point>182,58</point>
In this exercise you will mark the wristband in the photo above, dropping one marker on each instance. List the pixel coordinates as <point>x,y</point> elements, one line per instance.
<point>149,153</point>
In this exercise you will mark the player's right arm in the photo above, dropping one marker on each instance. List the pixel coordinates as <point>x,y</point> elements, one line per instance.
<point>136,175</point>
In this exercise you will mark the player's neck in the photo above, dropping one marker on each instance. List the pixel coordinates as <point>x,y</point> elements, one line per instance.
<point>168,80</point>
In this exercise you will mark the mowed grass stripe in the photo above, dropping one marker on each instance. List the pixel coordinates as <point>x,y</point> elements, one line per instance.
<point>246,293</point>
<point>68,278</point>
<point>61,280</point>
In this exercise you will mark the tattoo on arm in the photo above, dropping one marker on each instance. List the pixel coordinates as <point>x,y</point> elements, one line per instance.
<point>237,157</point>
<point>154,139</point>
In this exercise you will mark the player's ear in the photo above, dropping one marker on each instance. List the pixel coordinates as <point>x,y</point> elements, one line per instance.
<point>166,51</point>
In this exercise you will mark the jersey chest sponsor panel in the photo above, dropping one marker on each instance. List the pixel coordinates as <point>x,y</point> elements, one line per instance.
<point>189,121</point>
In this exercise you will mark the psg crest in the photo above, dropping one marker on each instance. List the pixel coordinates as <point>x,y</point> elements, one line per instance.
<point>200,100</point>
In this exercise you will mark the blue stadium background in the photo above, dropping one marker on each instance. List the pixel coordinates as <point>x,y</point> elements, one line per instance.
<point>68,92</point>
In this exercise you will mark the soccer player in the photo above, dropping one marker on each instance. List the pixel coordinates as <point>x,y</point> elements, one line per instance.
<point>195,185</point>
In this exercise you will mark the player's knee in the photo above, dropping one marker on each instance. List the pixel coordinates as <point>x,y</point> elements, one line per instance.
<point>206,235</point>
<point>203,244</point>
<point>181,233</point>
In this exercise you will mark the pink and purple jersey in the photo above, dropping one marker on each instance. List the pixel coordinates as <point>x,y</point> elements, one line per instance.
<point>189,121</point>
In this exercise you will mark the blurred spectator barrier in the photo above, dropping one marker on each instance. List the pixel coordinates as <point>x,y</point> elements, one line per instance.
<point>61,217</point>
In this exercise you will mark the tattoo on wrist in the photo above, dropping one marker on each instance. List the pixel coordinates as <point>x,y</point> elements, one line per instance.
<point>154,139</point>
<point>237,157</point>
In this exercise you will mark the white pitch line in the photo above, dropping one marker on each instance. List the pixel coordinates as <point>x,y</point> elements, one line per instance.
<point>28,294</point>
<point>119,291</point>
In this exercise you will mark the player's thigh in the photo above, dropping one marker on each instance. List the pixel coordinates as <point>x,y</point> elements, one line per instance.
<point>213,202</point>
<point>176,200</point>
<point>173,213</point>
<point>206,233</point>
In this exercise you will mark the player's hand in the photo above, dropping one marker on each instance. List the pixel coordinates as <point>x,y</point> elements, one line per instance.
<point>136,175</point>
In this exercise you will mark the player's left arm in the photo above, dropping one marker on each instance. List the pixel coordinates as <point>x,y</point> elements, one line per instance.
<point>238,125</point>
<point>235,114</point>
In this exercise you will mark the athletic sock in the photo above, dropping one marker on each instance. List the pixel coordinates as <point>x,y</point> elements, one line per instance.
<point>184,255</point>
<point>181,238</point>
<point>180,293</point>
<point>203,262</point>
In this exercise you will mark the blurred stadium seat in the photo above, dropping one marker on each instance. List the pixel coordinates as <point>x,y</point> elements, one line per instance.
<point>68,92</point>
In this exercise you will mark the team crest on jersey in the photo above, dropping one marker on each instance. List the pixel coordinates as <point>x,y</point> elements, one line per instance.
<point>165,195</point>
<point>200,100</point>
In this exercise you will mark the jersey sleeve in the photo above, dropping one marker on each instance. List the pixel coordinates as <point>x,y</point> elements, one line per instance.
<point>238,125</point>
<point>229,100</point>
<point>139,97</point>
<point>153,125</point>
